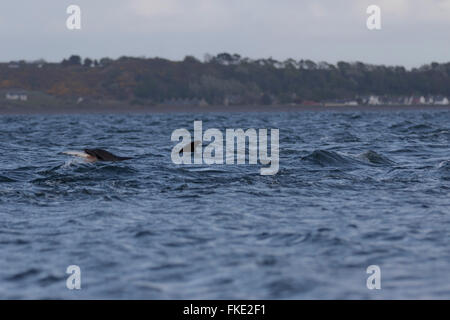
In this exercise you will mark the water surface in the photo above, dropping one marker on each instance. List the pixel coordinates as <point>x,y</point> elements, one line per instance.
<point>354,189</point>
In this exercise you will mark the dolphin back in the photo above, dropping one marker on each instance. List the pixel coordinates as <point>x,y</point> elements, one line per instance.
<point>103,155</point>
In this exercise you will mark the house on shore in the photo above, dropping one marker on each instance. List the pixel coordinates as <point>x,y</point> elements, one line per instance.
<point>441,101</point>
<point>340,103</point>
<point>16,96</point>
<point>374,101</point>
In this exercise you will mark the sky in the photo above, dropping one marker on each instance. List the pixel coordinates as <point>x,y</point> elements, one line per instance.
<point>413,32</point>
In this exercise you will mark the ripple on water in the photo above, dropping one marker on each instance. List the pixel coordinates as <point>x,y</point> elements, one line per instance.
<point>353,189</point>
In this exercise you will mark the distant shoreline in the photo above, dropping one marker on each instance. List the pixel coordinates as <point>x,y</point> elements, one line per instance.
<point>134,109</point>
<point>221,80</point>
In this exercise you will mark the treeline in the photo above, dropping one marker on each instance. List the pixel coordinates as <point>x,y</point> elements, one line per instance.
<point>222,79</point>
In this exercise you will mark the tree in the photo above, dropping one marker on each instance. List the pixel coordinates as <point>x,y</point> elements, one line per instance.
<point>191,59</point>
<point>224,58</point>
<point>87,62</point>
<point>105,61</point>
<point>310,65</point>
<point>74,60</point>
<point>230,78</point>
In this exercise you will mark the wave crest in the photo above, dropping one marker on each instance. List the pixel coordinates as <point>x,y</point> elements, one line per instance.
<point>328,158</point>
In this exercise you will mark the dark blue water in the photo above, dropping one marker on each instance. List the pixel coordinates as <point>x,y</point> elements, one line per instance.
<point>354,189</point>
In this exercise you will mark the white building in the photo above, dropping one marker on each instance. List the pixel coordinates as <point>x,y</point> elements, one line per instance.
<point>408,101</point>
<point>374,100</point>
<point>443,101</point>
<point>422,100</point>
<point>16,96</point>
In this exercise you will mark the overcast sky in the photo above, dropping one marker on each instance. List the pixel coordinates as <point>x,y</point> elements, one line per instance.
<point>413,32</point>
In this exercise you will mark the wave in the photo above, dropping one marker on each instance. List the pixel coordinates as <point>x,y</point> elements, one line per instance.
<point>419,127</point>
<point>444,165</point>
<point>327,158</point>
<point>6,179</point>
<point>444,170</point>
<point>411,128</point>
<point>375,158</point>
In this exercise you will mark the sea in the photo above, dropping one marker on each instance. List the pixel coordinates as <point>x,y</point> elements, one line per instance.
<point>360,198</point>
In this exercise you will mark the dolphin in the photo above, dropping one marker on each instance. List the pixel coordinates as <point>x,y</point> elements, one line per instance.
<point>92,155</point>
<point>190,147</point>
